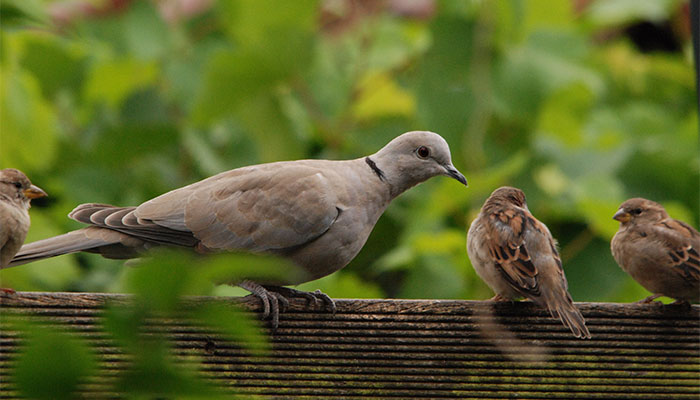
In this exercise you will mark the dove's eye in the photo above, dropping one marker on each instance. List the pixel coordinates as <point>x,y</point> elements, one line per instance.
<point>423,152</point>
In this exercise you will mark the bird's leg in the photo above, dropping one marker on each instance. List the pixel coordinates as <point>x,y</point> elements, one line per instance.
<point>681,303</point>
<point>648,299</point>
<point>317,297</point>
<point>499,298</point>
<point>271,301</point>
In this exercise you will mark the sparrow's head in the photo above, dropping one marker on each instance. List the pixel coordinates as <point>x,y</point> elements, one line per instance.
<point>639,210</point>
<point>507,195</point>
<point>412,158</point>
<point>16,187</point>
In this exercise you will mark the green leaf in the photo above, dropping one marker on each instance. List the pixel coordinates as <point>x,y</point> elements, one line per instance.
<point>145,32</point>
<point>445,96</point>
<point>51,364</point>
<point>111,81</point>
<point>154,373</point>
<point>433,278</point>
<point>29,123</point>
<point>235,325</point>
<point>344,285</point>
<point>617,12</point>
<point>257,22</point>
<point>232,267</point>
<point>597,197</point>
<point>379,96</point>
<point>58,64</point>
<point>162,279</point>
<point>22,13</point>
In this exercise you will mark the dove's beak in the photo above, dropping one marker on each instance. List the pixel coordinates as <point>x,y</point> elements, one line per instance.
<point>622,215</point>
<point>34,192</point>
<point>453,173</point>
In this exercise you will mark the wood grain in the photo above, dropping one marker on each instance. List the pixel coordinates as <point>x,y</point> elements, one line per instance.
<point>408,349</point>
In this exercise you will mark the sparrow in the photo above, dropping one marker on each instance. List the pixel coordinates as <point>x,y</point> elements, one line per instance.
<point>516,256</point>
<point>16,192</point>
<point>659,252</point>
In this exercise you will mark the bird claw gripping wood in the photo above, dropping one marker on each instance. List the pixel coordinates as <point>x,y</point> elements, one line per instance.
<point>319,299</point>
<point>275,299</point>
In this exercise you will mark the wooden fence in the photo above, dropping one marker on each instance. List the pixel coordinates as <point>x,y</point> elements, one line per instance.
<point>408,349</point>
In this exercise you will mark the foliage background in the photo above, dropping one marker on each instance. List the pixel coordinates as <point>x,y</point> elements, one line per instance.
<point>582,104</point>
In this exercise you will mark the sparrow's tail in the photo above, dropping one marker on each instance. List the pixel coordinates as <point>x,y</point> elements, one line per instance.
<point>110,244</point>
<point>570,316</point>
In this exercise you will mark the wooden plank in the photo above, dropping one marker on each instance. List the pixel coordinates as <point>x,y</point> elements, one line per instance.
<point>406,349</point>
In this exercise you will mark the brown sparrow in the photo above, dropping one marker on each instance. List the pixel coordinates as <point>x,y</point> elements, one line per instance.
<point>516,256</point>
<point>16,191</point>
<point>659,252</point>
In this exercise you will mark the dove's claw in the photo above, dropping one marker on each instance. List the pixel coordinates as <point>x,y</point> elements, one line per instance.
<point>328,303</point>
<point>275,299</point>
<point>270,301</point>
<point>317,297</point>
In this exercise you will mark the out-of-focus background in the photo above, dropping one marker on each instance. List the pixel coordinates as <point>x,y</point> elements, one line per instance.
<point>582,104</point>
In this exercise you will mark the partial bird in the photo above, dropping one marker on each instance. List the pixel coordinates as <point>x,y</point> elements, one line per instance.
<point>659,252</point>
<point>16,192</point>
<point>516,256</point>
<point>318,213</point>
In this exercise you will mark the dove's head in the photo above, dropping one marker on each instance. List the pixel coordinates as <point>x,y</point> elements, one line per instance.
<point>16,187</point>
<point>639,210</point>
<point>413,158</point>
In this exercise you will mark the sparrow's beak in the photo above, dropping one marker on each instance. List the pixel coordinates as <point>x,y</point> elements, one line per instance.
<point>34,192</point>
<point>622,215</point>
<point>453,173</point>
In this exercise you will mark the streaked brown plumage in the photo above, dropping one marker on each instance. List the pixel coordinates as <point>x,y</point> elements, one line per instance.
<point>516,256</point>
<point>16,192</point>
<point>659,252</point>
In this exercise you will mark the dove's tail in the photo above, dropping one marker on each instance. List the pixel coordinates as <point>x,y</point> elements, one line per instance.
<point>570,316</point>
<point>91,239</point>
<point>116,232</point>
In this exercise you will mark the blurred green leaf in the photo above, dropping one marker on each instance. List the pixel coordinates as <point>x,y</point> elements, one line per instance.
<point>347,286</point>
<point>51,364</point>
<point>146,32</point>
<point>432,279</point>
<point>234,325</point>
<point>155,374</point>
<point>232,267</point>
<point>16,13</point>
<point>379,97</point>
<point>111,81</point>
<point>615,12</point>
<point>56,63</point>
<point>29,127</point>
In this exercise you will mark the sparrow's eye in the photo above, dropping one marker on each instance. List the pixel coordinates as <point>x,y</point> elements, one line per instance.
<point>423,152</point>
<point>636,211</point>
<point>18,185</point>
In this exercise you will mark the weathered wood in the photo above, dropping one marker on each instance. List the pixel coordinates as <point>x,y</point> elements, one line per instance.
<point>409,349</point>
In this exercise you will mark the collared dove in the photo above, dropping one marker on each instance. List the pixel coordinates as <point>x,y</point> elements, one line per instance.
<point>16,191</point>
<point>318,213</point>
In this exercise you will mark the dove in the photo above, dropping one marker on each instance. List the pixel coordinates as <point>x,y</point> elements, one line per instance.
<point>317,213</point>
<point>516,256</point>
<point>16,192</point>
<point>659,252</point>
